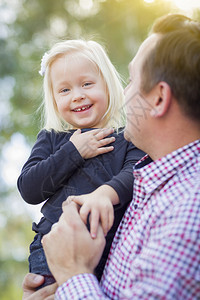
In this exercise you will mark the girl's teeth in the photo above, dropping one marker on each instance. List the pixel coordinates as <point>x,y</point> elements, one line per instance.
<point>83,108</point>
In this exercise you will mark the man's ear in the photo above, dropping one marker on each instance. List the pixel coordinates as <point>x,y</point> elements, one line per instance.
<point>162,99</point>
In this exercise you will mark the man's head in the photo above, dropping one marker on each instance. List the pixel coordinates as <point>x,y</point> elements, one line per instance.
<point>166,67</point>
<point>176,60</point>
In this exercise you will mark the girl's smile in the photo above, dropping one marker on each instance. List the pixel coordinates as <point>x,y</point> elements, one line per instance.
<point>82,108</point>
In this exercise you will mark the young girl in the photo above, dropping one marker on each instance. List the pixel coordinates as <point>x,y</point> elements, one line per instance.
<point>77,152</point>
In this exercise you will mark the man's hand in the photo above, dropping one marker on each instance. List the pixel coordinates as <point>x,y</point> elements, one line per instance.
<point>69,248</point>
<point>92,143</point>
<point>33,281</point>
<point>99,204</point>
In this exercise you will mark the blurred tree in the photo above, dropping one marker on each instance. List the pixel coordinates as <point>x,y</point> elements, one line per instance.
<point>27,29</point>
<point>13,253</point>
<point>120,25</point>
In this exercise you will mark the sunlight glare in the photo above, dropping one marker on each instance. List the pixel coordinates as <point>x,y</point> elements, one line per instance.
<point>86,4</point>
<point>184,5</point>
<point>149,1</point>
<point>187,4</point>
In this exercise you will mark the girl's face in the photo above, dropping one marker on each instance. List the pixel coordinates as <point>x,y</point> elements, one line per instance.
<point>79,91</point>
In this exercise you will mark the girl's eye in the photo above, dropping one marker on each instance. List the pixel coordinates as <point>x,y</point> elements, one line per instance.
<point>87,83</point>
<point>64,90</point>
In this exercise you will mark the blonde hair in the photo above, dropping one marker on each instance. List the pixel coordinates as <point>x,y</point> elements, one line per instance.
<point>115,114</point>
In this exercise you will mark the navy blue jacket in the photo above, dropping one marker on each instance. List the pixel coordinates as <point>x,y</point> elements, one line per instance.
<point>55,170</point>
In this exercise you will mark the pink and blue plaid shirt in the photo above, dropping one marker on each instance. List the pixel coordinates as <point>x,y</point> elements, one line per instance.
<point>156,250</point>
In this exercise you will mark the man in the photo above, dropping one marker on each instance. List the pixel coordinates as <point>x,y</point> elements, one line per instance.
<point>156,250</point>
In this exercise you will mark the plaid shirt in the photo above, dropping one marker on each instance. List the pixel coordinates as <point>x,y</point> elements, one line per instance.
<point>156,250</point>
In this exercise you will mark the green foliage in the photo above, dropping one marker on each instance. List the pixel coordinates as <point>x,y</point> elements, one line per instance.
<point>15,239</point>
<point>120,25</point>
<point>28,29</point>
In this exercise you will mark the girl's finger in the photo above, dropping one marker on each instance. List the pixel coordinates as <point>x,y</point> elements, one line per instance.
<point>84,212</point>
<point>103,150</point>
<point>105,222</point>
<point>106,141</point>
<point>76,199</point>
<point>103,133</point>
<point>110,218</point>
<point>94,223</point>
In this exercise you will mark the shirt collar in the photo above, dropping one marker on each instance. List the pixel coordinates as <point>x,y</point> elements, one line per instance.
<point>155,173</point>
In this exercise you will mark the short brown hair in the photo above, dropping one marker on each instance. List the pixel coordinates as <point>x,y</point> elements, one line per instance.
<point>176,60</point>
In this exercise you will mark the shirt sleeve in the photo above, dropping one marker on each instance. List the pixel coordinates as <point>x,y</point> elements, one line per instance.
<point>44,172</point>
<point>83,286</point>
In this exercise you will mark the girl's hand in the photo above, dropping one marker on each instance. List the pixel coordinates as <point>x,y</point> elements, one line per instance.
<point>99,204</point>
<point>93,142</point>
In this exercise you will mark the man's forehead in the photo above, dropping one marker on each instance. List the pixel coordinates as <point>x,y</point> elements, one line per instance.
<point>150,40</point>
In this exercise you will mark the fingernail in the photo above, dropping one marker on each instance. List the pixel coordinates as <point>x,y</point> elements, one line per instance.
<point>93,235</point>
<point>37,278</point>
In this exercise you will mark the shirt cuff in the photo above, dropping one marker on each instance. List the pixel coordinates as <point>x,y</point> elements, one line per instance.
<point>82,286</point>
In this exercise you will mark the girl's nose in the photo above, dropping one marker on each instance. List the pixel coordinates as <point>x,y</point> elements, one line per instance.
<point>78,95</point>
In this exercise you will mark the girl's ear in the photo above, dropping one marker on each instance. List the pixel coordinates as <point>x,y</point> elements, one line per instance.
<point>162,99</point>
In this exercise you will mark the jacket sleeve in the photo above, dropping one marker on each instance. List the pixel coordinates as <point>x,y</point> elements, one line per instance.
<point>122,183</point>
<point>44,172</point>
